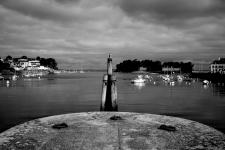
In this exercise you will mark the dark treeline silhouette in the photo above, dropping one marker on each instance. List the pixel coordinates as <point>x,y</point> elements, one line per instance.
<point>5,66</point>
<point>48,62</point>
<point>8,58</point>
<point>128,66</point>
<point>152,66</point>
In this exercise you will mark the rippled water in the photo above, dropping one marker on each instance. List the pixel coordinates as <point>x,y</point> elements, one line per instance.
<point>27,99</point>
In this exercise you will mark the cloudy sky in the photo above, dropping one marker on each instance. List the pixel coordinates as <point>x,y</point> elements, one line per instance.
<point>83,32</point>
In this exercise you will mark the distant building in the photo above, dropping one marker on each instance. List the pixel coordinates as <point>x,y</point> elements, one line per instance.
<point>34,63</point>
<point>218,66</point>
<point>1,60</point>
<point>43,68</point>
<point>201,68</point>
<point>23,63</point>
<point>171,69</point>
<point>142,69</point>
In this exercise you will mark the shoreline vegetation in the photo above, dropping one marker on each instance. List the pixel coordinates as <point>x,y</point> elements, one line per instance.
<point>26,66</point>
<point>153,66</point>
<point>149,66</point>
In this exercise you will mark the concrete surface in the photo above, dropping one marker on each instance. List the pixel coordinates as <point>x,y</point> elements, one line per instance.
<point>95,130</point>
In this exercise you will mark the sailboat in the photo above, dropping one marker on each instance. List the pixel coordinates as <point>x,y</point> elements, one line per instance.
<point>81,71</point>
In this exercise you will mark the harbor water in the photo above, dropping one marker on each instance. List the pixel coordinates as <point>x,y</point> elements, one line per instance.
<point>31,98</point>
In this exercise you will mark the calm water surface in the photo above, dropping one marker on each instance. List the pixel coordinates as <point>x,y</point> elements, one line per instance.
<point>27,99</point>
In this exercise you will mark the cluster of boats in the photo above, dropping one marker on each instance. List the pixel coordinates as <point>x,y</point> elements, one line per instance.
<point>168,79</point>
<point>26,74</point>
<point>34,74</point>
<point>172,79</point>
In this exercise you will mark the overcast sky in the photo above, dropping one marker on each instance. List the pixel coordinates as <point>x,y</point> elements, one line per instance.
<point>83,32</point>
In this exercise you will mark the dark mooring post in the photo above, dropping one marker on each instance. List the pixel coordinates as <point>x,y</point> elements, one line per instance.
<point>109,90</point>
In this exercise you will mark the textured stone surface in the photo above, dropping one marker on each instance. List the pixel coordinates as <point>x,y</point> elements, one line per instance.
<point>95,130</point>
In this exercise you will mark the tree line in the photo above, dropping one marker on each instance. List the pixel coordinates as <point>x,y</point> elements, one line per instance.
<point>152,66</point>
<point>48,62</point>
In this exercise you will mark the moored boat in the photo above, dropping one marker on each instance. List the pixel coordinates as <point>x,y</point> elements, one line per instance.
<point>139,79</point>
<point>180,78</point>
<point>205,82</point>
<point>166,78</point>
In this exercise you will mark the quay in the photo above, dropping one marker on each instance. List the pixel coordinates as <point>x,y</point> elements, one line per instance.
<point>111,130</point>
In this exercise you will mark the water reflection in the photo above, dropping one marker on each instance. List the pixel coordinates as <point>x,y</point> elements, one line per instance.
<point>205,86</point>
<point>139,85</point>
<point>7,83</point>
<point>218,89</point>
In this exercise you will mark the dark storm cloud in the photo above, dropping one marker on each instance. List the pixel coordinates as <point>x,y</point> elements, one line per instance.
<point>47,10</point>
<point>172,11</point>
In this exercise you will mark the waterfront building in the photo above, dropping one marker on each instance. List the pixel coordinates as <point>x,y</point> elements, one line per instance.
<point>142,69</point>
<point>43,68</point>
<point>171,69</point>
<point>23,63</point>
<point>34,63</point>
<point>218,66</point>
<point>201,68</point>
